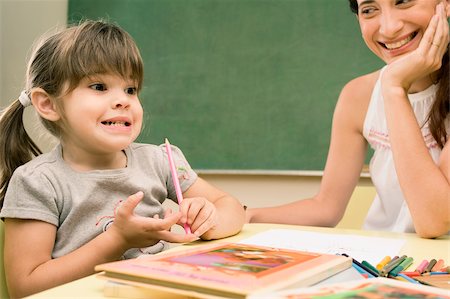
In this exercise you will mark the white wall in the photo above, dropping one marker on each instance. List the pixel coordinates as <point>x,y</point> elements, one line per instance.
<point>23,21</point>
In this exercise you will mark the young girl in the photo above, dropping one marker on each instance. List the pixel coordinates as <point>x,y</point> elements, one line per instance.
<point>97,196</point>
<point>402,112</point>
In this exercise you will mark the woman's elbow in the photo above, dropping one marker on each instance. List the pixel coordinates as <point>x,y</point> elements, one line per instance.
<point>331,217</point>
<point>433,231</point>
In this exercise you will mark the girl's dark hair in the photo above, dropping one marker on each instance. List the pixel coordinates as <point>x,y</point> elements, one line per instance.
<point>441,107</point>
<point>57,65</point>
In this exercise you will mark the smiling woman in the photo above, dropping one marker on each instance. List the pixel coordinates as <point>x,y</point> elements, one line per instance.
<point>402,112</point>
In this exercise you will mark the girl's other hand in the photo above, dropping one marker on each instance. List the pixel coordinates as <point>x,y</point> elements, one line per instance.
<point>200,214</point>
<point>134,231</point>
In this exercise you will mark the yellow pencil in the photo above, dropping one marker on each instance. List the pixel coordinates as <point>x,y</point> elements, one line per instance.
<point>383,262</point>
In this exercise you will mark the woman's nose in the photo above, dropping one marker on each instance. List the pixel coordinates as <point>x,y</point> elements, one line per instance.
<point>390,24</point>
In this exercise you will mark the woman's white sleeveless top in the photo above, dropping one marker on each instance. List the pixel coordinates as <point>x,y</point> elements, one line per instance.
<point>389,210</point>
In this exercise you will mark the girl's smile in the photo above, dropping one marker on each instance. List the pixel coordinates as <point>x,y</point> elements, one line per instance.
<point>117,124</point>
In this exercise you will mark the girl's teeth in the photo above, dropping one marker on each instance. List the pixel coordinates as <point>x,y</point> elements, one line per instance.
<point>110,123</point>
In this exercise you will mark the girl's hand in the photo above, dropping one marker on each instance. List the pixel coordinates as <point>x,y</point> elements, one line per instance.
<point>134,231</point>
<point>200,214</point>
<point>426,59</point>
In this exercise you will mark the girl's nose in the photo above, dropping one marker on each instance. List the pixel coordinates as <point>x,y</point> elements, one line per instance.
<point>121,101</point>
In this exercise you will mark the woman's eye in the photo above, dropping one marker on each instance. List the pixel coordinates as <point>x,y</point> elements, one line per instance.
<point>366,10</point>
<point>402,2</point>
<point>131,90</point>
<point>98,87</point>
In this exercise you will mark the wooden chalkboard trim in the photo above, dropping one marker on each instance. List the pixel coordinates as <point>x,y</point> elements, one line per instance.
<point>312,173</point>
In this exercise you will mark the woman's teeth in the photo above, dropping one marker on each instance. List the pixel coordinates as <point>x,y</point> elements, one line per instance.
<point>392,46</point>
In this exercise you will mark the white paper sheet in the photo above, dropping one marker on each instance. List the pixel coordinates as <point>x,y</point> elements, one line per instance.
<point>361,248</point>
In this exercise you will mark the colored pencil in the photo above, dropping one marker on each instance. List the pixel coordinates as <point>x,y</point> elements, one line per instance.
<point>430,265</point>
<point>407,278</point>
<point>383,262</point>
<point>370,271</point>
<point>422,266</point>
<point>438,266</point>
<point>390,266</point>
<point>402,266</point>
<point>175,181</point>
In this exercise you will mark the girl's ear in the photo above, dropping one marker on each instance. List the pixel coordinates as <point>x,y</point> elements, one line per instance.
<point>44,104</point>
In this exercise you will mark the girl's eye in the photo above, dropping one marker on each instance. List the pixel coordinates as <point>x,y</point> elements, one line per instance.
<point>131,90</point>
<point>98,87</point>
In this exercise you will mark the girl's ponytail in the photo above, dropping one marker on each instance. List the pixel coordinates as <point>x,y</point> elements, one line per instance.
<point>16,146</point>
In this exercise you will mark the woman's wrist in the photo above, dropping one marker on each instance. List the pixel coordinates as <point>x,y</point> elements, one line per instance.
<point>393,90</point>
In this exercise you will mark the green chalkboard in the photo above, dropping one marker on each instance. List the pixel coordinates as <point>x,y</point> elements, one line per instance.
<point>241,84</point>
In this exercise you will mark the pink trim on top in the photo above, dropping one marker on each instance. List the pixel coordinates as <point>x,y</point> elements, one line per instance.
<point>376,138</point>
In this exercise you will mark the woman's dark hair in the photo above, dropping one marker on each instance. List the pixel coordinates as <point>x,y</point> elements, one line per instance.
<point>441,107</point>
<point>353,6</point>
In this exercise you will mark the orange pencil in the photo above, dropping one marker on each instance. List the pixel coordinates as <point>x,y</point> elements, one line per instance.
<point>411,274</point>
<point>438,266</point>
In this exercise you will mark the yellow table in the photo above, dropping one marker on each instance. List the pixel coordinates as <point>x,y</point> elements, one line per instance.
<point>420,249</point>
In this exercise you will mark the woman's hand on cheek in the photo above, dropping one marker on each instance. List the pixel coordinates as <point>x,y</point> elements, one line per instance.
<point>426,59</point>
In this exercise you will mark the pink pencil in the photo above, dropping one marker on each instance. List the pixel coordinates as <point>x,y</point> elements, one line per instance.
<point>422,266</point>
<point>176,182</point>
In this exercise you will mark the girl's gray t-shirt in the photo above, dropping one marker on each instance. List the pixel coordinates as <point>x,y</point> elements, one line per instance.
<point>82,205</point>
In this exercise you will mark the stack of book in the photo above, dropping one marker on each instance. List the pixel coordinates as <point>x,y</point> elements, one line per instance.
<point>221,270</point>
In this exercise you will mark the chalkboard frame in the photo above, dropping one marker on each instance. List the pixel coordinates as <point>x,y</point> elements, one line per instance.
<point>241,84</point>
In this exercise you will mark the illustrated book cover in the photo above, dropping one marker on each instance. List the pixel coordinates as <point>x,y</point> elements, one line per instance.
<point>440,280</point>
<point>372,288</point>
<point>230,270</point>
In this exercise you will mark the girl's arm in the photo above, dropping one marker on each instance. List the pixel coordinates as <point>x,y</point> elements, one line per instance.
<point>425,185</point>
<point>211,213</point>
<point>29,264</point>
<point>342,171</point>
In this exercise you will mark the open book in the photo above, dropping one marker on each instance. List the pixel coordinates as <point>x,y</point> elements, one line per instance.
<point>228,270</point>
